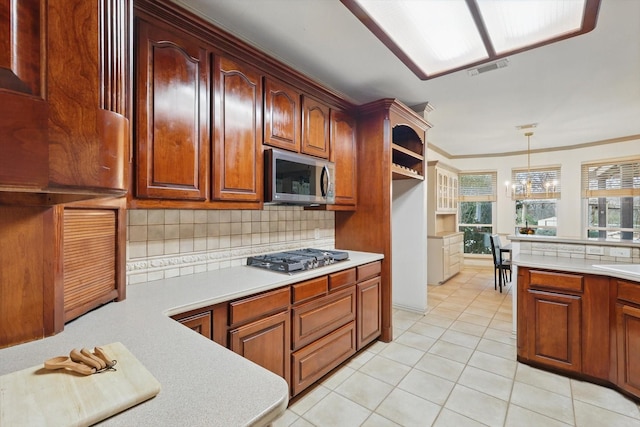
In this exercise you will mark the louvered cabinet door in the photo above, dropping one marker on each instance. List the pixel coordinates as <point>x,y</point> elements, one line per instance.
<point>89,259</point>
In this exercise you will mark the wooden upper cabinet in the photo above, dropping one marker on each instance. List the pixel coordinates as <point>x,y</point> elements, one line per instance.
<point>88,89</point>
<point>281,115</point>
<point>23,108</point>
<point>343,153</point>
<point>315,128</point>
<point>172,133</point>
<point>70,135</point>
<point>237,142</point>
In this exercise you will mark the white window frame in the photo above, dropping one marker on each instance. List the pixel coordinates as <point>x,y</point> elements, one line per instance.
<point>544,184</point>
<point>478,194</point>
<point>620,179</point>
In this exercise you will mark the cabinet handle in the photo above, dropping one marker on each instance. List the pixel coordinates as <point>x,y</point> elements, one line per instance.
<point>325,181</point>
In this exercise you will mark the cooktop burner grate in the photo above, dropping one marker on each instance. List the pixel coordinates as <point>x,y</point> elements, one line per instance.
<point>297,260</point>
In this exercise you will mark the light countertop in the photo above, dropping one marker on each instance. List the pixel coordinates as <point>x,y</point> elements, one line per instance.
<point>202,382</point>
<point>575,265</point>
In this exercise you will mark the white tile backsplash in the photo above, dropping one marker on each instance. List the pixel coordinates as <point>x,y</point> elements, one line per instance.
<point>581,251</point>
<point>164,243</point>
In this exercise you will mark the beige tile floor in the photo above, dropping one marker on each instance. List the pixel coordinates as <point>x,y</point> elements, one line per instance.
<point>455,366</point>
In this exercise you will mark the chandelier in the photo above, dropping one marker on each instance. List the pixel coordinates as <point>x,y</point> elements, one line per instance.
<point>533,185</point>
<point>526,183</point>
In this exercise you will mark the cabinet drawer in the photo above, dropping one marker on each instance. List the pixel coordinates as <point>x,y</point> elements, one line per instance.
<point>317,359</point>
<point>342,279</point>
<point>369,270</point>
<point>321,316</point>
<point>310,289</point>
<point>629,291</point>
<point>258,306</point>
<point>455,240</point>
<point>559,281</point>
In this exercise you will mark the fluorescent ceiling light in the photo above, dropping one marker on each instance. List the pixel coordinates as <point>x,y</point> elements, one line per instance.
<point>436,37</point>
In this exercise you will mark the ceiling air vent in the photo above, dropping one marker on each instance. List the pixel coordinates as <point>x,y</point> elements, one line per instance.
<point>488,67</point>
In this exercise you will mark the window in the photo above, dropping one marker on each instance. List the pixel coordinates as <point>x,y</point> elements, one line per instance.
<point>611,191</point>
<point>477,197</point>
<point>536,192</point>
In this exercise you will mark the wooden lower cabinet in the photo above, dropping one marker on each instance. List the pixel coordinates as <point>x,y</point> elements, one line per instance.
<point>315,360</point>
<point>445,256</point>
<point>265,342</point>
<point>628,336</point>
<point>628,331</point>
<point>301,331</point>
<point>200,323</point>
<point>554,334</point>
<point>585,325</point>
<point>562,317</point>
<point>369,321</point>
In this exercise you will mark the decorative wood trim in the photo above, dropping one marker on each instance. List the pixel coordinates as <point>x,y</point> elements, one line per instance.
<point>229,44</point>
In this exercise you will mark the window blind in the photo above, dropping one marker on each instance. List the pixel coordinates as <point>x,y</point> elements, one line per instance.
<point>477,186</point>
<point>545,182</point>
<point>613,178</point>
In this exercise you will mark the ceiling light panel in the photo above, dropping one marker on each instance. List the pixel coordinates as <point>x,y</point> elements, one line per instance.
<point>513,25</point>
<point>437,35</point>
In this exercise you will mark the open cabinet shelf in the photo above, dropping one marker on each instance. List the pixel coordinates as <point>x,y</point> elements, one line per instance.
<point>407,154</point>
<point>402,172</point>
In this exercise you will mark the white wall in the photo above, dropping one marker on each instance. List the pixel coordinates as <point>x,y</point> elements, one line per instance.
<point>409,245</point>
<point>570,215</point>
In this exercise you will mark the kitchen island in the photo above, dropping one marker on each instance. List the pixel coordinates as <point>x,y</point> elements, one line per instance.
<point>202,383</point>
<point>575,317</point>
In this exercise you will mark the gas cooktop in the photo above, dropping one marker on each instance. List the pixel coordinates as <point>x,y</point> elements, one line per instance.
<point>297,260</point>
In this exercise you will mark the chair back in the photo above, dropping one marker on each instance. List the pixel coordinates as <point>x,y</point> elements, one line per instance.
<point>495,249</point>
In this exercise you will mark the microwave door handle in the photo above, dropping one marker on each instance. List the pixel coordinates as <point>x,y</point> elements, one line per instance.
<point>325,179</point>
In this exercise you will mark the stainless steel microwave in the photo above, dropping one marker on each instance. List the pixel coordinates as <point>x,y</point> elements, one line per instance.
<point>298,179</point>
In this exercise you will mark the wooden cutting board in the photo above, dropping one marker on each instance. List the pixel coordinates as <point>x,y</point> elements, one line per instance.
<point>40,397</point>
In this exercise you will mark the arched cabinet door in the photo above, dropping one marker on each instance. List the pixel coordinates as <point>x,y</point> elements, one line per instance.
<point>344,153</point>
<point>172,113</point>
<point>315,128</point>
<point>281,115</point>
<point>237,144</point>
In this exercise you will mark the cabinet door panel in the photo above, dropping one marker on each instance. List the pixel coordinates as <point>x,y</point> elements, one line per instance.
<point>343,153</point>
<point>200,323</point>
<point>555,332</point>
<point>238,137</point>
<point>628,329</point>
<point>26,294</point>
<point>315,128</point>
<point>172,114</point>
<point>281,115</point>
<point>265,342</point>
<point>369,321</point>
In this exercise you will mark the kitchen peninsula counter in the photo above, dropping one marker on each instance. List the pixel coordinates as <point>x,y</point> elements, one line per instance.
<point>572,240</point>
<point>202,383</point>
<point>572,265</point>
